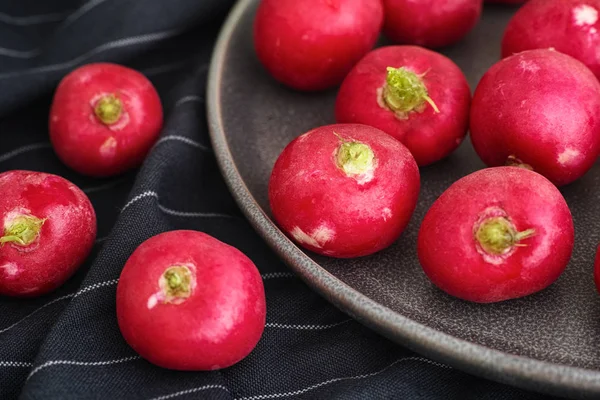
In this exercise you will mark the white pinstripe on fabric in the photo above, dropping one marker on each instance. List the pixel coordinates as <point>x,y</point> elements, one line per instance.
<point>81,11</point>
<point>67,296</point>
<point>305,327</point>
<point>19,364</point>
<point>115,44</point>
<point>190,391</point>
<point>333,380</point>
<point>32,19</point>
<point>152,194</point>
<point>24,149</point>
<point>182,139</point>
<point>19,53</point>
<point>81,363</point>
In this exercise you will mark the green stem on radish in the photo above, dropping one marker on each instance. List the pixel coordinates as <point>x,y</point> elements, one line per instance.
<point>176,283</point>
<point>22,230</point>
<point>404,91</point>
<point>497,235</point>
<point>109,109</point>
<point>354,158</point>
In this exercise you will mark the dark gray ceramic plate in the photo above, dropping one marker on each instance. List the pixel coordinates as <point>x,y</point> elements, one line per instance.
<point>547,342</point>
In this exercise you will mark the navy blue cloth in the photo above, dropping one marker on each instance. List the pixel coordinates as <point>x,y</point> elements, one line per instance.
<point>67,345</point>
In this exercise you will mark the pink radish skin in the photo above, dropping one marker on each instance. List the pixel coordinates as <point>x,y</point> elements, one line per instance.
<point>343,208</point>
<point>104,119</point>
<point>428,134</point>
<point>48,229</point>
<point>569,26</point>
<point>430,23</point>
<point>187,301</point>
<point>311,45</point>
<point>497,234</point>
<point>540,109</point>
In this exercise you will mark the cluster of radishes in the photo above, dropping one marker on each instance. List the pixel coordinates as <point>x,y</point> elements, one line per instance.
<point>103,120</point>
<point>350,188</point>
<point>202,299</point>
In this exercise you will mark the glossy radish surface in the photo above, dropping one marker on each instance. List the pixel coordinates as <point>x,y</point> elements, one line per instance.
<point>497,234</point>
<point>344,190</point>
<point>48,230</point>
<point>187,301</point>
<point>539,109</point>
<point>104,119</point>
<point>312,44</point>
<point>430,23</point>
<point>418,96</point>
<point>569,26</point>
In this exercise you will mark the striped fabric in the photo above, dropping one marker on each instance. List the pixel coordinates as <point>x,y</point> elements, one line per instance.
<point>66,345</point>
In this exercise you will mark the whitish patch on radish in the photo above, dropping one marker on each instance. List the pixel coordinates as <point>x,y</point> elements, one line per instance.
<point>529,66</point>
<point>317,239</point>
<point>152,301</point>
<point>108,147</point>
<point>386,213</point>
<point>585,15</point>
<point>10,269</point>
<point>568,156</point>
<point>366,177</point>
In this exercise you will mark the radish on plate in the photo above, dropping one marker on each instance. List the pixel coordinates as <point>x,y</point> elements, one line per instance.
<point>430,23</point>
<point>187,301</point>
<point>311,45</point>
<point>418,96</point>
<point>344,190</point>
<point>497,234</point>
<point>539,109</point>
<point>104,119</point>
<point>569,26</point>
<point>48,230</point>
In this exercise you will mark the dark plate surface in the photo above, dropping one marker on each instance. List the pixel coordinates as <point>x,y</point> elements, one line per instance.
<point>547,342</point>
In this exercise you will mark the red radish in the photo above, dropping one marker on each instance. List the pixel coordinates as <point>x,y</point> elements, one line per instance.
<point>539,109</point>
<point>569,26</point>
<point>187,301</point>
<point>345,190</point>
<point>497,234</point>
<point>416,95</point>
<point>312,44</point>
<point>49,228</point>
<point>104,119</point>
<point>430,23</point>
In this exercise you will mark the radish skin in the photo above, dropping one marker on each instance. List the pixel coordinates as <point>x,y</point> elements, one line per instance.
<point>344,190</point>
<point>497,234</point>
<point>569,26</point>
<point>539,109</point>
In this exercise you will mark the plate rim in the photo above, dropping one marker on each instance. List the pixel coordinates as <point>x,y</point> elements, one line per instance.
<point>520,371</point>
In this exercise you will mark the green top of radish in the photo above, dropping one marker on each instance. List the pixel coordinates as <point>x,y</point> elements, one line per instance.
<point>405,91</point>
<point>109,109</point>
<point>176,284</point>
<point>22,230</point>
<point>355,158</point>
<point>497,235</point>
